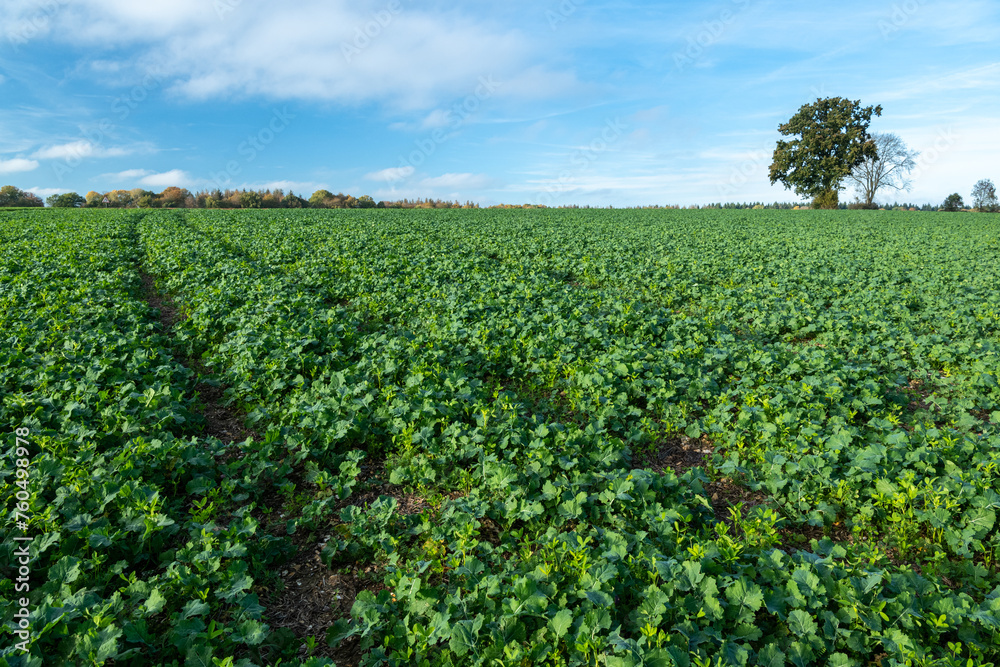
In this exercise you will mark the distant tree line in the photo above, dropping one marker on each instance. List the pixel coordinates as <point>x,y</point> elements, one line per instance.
<point>984,199</point>
<point>175,197</point>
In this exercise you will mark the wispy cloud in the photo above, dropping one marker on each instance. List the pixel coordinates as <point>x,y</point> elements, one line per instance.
<point>981,79</point>
<point>453,181</point>
<point>129,175</point>
<point>79,150</point>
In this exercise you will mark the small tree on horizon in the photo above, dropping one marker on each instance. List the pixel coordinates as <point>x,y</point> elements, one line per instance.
<point>953,203</point>
<point>65,200</point>
<point>984,197</point>
<point>832,140</point>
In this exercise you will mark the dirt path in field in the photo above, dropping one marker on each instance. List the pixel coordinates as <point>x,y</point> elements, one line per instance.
<point>309,597</point>
<point>220,421</point>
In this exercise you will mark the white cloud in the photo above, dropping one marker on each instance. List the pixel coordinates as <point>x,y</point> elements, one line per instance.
<point>127,175</point>
<point>78,150</point>
<point>174,177</point>
<point>457,181</point>
<point>16,165</point>
<point>346,52</point>
<point>391,174</point>
<point>2,79</point>
<point>45,192</point>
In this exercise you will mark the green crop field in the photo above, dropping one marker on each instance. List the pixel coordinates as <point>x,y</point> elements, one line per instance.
<point>487,437</point>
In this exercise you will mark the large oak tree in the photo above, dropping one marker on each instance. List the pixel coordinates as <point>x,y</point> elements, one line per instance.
<point>832,139</point>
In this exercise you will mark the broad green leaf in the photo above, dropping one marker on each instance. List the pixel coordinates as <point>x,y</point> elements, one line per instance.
<point>561,622</point>
<point>155,602</point>
<point>801,623</point>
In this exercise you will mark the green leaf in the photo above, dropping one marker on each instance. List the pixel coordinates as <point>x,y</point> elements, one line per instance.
<point>339,631</point>
<point>980,520</point>
<point>561,622</point>
<point>801,623</point>
<point>155,602</point>
<point>735,653</point>
<point>98,540</point>
<point>235,587</point>
<point>464,635</point>
<point>194,608</point>
<point>745,594</point>
<point>600,598</point>
<point>65,571</point>
<point>199,486</point>
<point>199,656</point>
<point>108,647</point>
<point>691,576</point>
<point>250,632</point>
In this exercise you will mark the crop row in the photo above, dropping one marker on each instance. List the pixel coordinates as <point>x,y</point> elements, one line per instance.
<point>130,560</point>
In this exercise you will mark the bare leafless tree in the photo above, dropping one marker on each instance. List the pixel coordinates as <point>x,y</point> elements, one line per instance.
<point>984,197</point>
<point>888,171</point>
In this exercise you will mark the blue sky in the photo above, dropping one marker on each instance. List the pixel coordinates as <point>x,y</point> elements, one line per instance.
<point>554,102</point>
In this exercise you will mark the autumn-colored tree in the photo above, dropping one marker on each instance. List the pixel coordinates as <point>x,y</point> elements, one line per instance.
<point>269,200</point>
<point>832,140</point>
<point>120,198</point>
<point>174,197</point>
<point>320,199</point>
